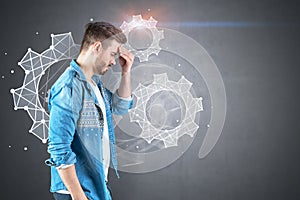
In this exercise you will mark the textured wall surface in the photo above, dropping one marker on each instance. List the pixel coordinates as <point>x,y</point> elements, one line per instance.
<point>255,45</point>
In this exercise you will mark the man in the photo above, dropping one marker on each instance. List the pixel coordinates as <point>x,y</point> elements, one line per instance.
<point>81,132</point>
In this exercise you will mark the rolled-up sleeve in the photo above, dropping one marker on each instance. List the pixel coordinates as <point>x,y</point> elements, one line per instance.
<point>62,126</point>
<point>120,105</point>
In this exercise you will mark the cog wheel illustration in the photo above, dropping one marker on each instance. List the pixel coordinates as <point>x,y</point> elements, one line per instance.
<point>139,22</point>
<point>168,91</point>
<point>35,65</point>
<point>150,131</point>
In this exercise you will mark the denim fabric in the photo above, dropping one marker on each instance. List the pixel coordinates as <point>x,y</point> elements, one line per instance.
<point>76,130</point>
<point>58,196</point>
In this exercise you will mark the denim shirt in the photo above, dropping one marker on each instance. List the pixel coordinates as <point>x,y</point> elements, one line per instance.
<point>76,130</point>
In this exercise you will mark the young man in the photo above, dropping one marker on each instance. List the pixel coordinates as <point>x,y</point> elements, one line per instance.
<point>81,132</point>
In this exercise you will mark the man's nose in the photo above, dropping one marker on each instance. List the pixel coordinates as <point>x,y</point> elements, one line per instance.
<point>113,62</point>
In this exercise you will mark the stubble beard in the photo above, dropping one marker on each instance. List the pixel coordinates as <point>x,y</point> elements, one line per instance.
<point>102,69</point>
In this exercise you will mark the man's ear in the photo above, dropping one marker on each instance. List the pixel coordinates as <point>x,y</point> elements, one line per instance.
<point>97,46</point>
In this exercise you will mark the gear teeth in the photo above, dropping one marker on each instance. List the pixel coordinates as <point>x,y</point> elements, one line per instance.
<point>138,21</point>
<point>181,88</point>
<point>34,64</point>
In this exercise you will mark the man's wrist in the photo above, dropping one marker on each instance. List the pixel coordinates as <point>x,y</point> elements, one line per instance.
<point>125,74</point>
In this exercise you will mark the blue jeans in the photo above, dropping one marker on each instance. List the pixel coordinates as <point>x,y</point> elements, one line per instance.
<point>58,196</point>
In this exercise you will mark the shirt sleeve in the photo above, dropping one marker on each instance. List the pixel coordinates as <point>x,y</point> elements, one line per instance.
<point>64,166</point>
<point>62,124</point>
<point>121,105</point>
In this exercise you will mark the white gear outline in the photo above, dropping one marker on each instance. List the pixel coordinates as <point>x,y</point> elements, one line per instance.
<point>34,64</point>
<point>138,21</point>
<point>181,88</point>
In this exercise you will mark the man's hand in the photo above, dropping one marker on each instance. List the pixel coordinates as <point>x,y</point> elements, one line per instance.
<point>126,60</point>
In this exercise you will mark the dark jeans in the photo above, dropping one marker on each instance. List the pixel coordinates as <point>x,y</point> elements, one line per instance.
<point>58,196</point>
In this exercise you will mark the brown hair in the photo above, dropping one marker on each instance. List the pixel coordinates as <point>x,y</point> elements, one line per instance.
<point>100,31</point>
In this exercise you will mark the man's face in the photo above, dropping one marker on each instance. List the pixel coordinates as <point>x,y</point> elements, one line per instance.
<point>107,57</point>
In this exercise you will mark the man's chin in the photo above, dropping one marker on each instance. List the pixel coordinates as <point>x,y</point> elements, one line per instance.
<point>103,72</point>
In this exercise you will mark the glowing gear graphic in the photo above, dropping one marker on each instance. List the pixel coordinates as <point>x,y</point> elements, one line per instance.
<point>34,64</point>
<point>139,22</point>
<point>169,136</point>
<point>142,146</point>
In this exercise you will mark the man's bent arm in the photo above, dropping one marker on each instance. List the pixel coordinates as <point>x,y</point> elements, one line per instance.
<point>126,60</point>
<point>125,86</point>
<point>69,177</point>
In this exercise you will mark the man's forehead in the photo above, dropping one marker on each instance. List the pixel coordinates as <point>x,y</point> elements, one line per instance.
<point>114,46</point>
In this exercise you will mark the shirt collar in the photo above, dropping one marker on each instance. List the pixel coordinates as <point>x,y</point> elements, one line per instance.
<point>74,66</point>
<point>81,75</point>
